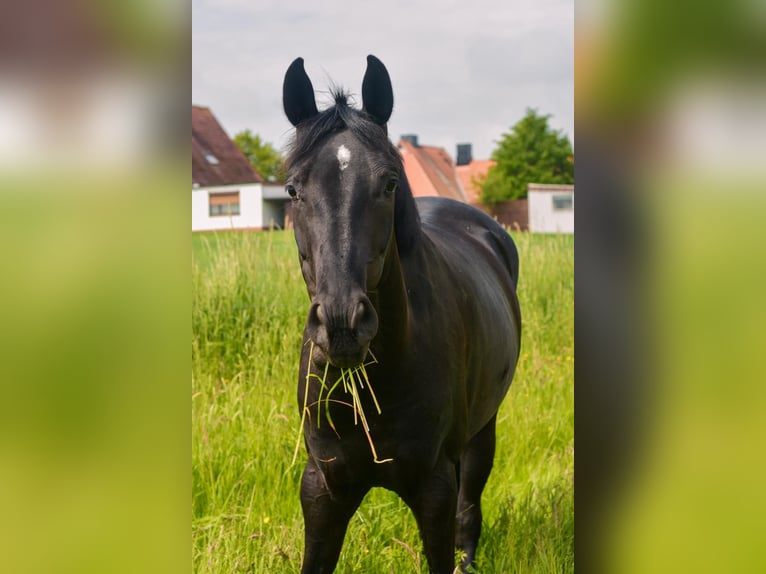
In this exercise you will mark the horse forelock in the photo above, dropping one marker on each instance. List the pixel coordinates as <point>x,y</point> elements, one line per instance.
<point>336,118</point>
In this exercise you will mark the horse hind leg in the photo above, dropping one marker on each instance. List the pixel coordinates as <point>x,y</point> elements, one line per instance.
<point>475,466</point>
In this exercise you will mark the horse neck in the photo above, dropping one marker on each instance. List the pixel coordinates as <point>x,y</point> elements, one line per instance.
<point>406,217</point>
<point>391,300</point>
<point>391,304</point>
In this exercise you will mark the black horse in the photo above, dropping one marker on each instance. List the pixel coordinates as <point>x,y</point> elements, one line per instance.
<point>427,290</point>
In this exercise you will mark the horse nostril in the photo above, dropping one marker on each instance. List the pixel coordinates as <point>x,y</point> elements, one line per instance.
<point>317,316</point>
<point>321,316</point>
<point>358,314</point>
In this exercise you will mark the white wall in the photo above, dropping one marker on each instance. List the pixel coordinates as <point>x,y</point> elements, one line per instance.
<point>543,218</point>
<point>275,191</point>
<point>250,208</point>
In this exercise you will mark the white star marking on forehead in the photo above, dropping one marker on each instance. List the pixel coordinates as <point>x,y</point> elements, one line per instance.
<point>344,156</point>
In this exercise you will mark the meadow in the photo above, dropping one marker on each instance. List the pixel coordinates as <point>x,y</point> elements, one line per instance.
<point>249,306</point>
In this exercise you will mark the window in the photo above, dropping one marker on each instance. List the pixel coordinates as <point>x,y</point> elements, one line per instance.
<point>562,202</point>
<point>224,203</point>
<point>211,159</point>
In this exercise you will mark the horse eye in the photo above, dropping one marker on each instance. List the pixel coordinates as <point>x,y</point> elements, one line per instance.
<point>391,186</point>
<point>291,191</point>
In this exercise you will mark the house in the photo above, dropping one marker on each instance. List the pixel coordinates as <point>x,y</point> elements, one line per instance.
<point>470,170</point>
<point>430,170</point>
<point>551,208</point>
<point>227,193</point>
<point>512,214</point>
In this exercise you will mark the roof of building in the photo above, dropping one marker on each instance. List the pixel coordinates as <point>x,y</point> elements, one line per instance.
<point>216,159</point>
<point>470,173</point>
<point>430,171</point>
<point>551,187</point>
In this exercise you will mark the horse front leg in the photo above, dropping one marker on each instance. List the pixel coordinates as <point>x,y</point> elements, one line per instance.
<point>325,517</point>
<point>433,503</point>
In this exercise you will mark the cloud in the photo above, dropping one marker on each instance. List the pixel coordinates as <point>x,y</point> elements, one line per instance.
<point>462,71</point>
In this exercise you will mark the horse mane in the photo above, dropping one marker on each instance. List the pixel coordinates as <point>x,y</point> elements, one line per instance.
<point>342,116</point>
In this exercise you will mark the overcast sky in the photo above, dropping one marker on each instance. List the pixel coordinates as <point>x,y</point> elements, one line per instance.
<point>462,70</point>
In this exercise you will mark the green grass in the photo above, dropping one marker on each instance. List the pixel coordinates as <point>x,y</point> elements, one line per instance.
<point>249,305</point>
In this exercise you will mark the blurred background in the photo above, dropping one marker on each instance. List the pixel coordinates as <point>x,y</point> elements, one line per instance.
<point>670,251</point>
<point>94,306</point>
<point>94,296</point>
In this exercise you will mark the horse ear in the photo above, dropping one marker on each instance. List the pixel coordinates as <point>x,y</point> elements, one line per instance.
<point>298,94</point>
<point>377,93</point>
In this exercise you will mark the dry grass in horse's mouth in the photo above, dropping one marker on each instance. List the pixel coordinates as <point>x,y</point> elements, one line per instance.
<point>352,380</point>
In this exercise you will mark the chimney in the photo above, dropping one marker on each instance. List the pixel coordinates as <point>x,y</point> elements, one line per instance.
<point>412,138</point>
<point>464,154</point>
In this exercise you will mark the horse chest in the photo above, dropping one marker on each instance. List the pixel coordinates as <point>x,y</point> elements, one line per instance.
<point>404,445</point>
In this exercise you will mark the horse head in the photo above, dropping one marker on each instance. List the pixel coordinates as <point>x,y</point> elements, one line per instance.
<point>342,176</point>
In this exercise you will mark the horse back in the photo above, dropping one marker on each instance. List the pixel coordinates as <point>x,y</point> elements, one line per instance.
<point>442,217</point>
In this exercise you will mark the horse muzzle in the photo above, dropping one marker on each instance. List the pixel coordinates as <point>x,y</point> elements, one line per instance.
<point>341,330</point>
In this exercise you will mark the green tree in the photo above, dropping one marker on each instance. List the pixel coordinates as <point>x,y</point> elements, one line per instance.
<point>262,156</point>
<point>531,153</point>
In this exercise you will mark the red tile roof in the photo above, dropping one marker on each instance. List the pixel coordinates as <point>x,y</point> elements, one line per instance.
<point>430,171</point>
<point>216,160</point>
<point>468,175</point>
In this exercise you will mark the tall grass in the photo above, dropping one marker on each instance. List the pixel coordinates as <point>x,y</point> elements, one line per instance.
<point>248,311</point>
